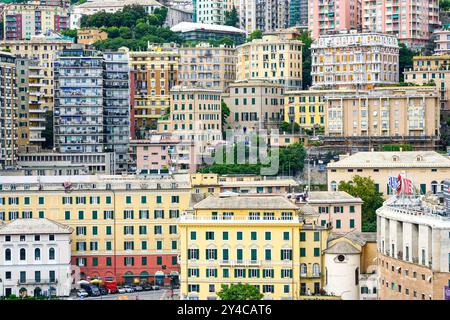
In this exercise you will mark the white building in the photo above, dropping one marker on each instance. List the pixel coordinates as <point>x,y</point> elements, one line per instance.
<point>442,41</point>
<point>348,60</point>
<point>211,11</point>
<point>35,258</point>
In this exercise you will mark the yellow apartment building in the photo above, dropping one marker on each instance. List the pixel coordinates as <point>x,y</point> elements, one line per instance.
<point>305,107</point>
<point>260,240</point>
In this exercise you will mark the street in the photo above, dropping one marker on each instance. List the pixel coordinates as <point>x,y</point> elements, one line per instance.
<point>142,295</point>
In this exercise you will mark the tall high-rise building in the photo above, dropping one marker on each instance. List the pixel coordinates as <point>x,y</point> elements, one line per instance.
<point>211,11</point>
<point>330,16</point>
<point>298,13</point>
<point>8,111</point>
<point>264,15</point>
<point>92,104</point>
<point>412,22</point>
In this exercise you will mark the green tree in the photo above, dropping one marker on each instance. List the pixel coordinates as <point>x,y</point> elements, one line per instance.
<point>240,292</point>
<point>306,59</point>
<point>231,17</point>
<point>444,5</point>
<point>113,32</point>
<point>72,33</point>
<point>292,158</point>
<point>287,127</point>
<point>125,33</point>
<point>225,113</point>
<point>257,34</point>
<point>405,60</point>
<point>364,188</point>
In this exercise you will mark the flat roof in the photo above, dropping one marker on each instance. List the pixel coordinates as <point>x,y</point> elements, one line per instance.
<point>237,202</point>
<point>34,226</point>
<point>331,196</point>
<point>186,26</point>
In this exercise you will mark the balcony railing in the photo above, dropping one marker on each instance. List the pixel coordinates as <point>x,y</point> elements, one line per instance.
<point>240,262</point>
<point>36,281</point>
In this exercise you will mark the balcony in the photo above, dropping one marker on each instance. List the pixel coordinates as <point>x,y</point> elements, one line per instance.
<point>237,219</point>
<point>36,281</point>
<point>240,263</point>
<point>310,275</point>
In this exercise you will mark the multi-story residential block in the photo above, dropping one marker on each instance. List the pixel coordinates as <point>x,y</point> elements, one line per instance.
<point>427,169</point>
<point>276,57</point>
<point>442,41</point>
<point>254,104</point>
<point>413,247</point>
<point>259,240</point>
<point>116,106</point>
<point>91,35</point>
<point>35,259</point>
<point>43,49</point>
<point>153,73</point>
<point>267,15</point>
<point>210,11</point>
<point>432,69</point>
<point>192,31</point>
<point>298,13</point>
<point>305,107</point>
<point>207,66</point>
<point>162,154</point>
<point>411,112</point>
<point>92,103</point>
<point>24,20</point>
<point>255,184</point>
<point>78,111</point>
<point>125,226</point>
<point>336,208</point>
<point>329,16</point>
<point>110,6</point>
<point>195,115</point>
<point>9,112</point>
<point>412,22</point>
<point>350,259</point>
<point>177,14</point>
<point>354,60</point>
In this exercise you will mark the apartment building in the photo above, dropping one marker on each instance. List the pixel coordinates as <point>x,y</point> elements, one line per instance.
<point>90,35</point>
<point>413,248</point>
<point>264,243</point>
<point>194,31</point>
<point>306,108</point>
<point>35,259</point>
<point>207,66</point>
<point>92,103</point>
<point>254,104</point>
<point>267,16</point>
<point>412,22</point>
<point>432,69</point>
<point>153,73</point>
<point>329,16</point>
<point>391,111</point>
<point>8,111</point>
<point>298,13</point>
<point>43,49</point>
<point>195,115</point>
<point>24,20</point>
<point>210,11</point>
<point>442,41</point>
<point>276,57</point>
<point>427,169</point>
<point>125,227</point>
<point>337,209</point>
<point>163,154</point>
<point>353,59</point>
<point>256,184</point>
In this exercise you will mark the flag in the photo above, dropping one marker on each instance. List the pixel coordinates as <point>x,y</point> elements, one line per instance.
<point>405,185</point>
<point>393,183</point>
<point>399,181</point>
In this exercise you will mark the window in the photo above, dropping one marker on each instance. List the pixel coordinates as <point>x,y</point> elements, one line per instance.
<point>8,255</point>
<point>338,224</point>
<point>37,254</point>
<point>302,236</point>
<point>286,254</point>
<point>193,235</point>
<point>352,223</point>
<point>22,254</point>
<point>209,235</point>
<point>225,235</point>
<point>253,235</point>
<point>316,252</point>
<point>302,252</point>
<point>51,254</point>
<point>316,236</point>
<point>286,235</point>
<point>239,235</point>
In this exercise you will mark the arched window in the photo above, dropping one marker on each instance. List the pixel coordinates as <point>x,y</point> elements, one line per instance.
<point>23,254</point>
<point>316,269</point>
<point>434,187</point>
<point>333,186</point>
<point>51,254</point>
<point>356,276</point>
<point>37,254</point>
<point>303,269</point>
<point>8,255</point>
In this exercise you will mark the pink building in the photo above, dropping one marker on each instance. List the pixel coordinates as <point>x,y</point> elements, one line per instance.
<point>331,16</point>
<point>162,153</point>
<point>411,21</point>
<point>339,208</point>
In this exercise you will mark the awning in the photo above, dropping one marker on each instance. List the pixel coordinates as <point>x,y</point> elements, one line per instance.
<point>96,281</point>
<point>174,273</point>
<point>159,274</point>
<point>83,282</point>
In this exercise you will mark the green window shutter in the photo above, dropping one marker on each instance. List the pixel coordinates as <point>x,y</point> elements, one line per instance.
<point>239,254</point>
<point>108,230</point>
<point>128,199</point>
<point>316,252</point>
<point>41,215</point>
<point>302,236</point>
<point>67,215</point>
<point>239,235</point>
<point>159,261</point>
<point>144,261</point>
<point>352,223</point>
<point>268,235</point>
<point>253,235</point>
<point>41,200</point>
<point>159,245</point>
<point>143,199</point>
<point>158,199</point>
<point>268,254</point>
<point>95,262</point>
<point>94,215</point>
<point>226,273</point>
<point>108,245</point>
<point>225,255</point>
<point>285,235</point>
<point>302,252</point>
<point>108,199</point>
<point>144,245</point>
<point>174,245</point>
<point>108,261</point>
<point>94,231</point>
<point>193,235</point>
<point>254,254</point>
<point>338,224</point>
<point>316,236</point>
<point>225,235</point>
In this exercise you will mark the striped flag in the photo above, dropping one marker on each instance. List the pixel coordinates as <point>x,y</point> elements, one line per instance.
<point>406,185</point>
<point>393,183</point>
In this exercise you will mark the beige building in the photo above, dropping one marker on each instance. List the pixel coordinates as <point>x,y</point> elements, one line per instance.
<point>429,69</point>
<point>8,111</point>
<point>426,169</point>
<point>413,247</point>
<point>442,41</point>
<point>153,73</point>
<point>206,66</point>
<point>43,49</point>
<point>276,57</point>
<point>195,115</point>
<point>89,36</point>
<point>254,104</point>
<point>256,184</point>
<point>353,59</point>
<point>390,111</point>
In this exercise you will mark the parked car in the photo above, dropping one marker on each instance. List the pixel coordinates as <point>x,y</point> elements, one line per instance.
<point>121,290</point>
<point>156,288</point>
<point>147,287</point>
<point>128,289</point>
<point>91,289</point>
<point>138,288</point>
<point>81,293</point>
<point>103,291</point>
